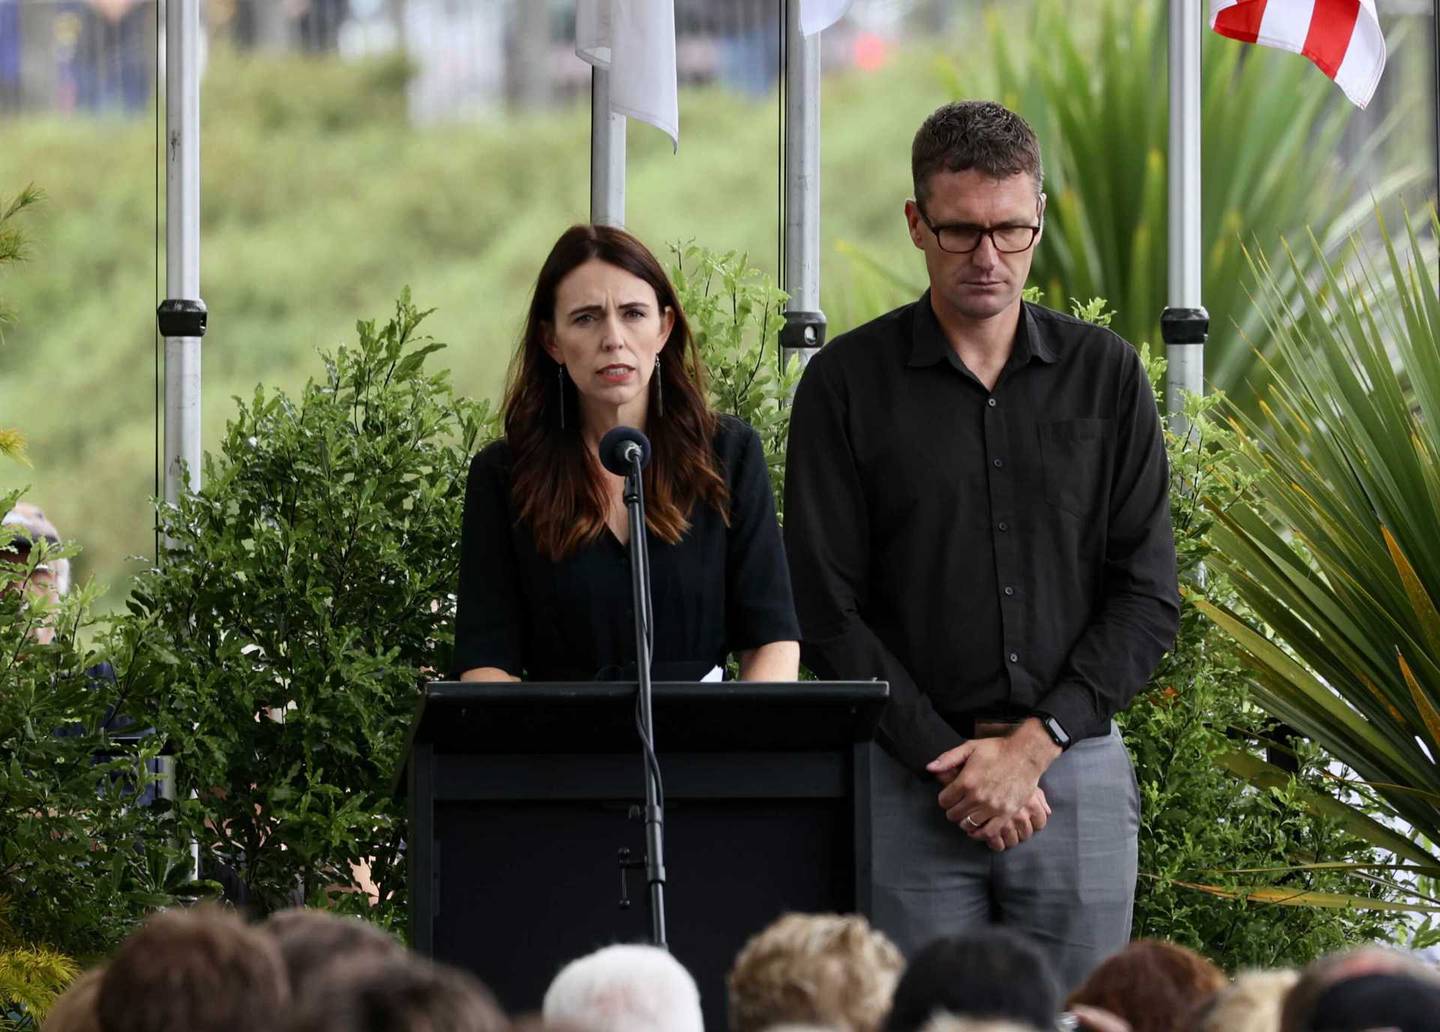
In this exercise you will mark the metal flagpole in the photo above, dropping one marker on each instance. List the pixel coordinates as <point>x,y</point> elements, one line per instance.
<point>607,154</point>
<point>181,316</point>
<point>804,330</point>
<point>1184,324</point>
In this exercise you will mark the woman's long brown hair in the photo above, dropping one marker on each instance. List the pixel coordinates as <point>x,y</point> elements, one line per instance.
<point>557,482</point>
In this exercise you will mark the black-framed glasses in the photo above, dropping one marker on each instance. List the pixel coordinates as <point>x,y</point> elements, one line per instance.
<point>961,238</point>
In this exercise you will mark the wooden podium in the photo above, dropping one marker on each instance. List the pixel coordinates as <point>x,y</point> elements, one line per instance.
<point>520,800</point>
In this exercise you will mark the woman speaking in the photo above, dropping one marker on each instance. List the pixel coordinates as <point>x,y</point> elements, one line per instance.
<point>545,589</point>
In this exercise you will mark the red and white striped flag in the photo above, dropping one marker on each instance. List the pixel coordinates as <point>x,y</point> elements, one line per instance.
<point>1342,37</point>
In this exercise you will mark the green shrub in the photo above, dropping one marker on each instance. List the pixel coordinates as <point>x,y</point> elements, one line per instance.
<point>1254,875</point>
<point>309,587</point>
<point>80,862</point>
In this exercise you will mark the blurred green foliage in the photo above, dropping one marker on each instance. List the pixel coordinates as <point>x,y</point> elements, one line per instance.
<point>309,590</point>
<point>318,198</point>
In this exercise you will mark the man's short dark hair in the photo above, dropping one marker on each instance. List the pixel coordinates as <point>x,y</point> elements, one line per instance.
<point>201,968</point>
<point>996,973</point>
<point>978,134</point>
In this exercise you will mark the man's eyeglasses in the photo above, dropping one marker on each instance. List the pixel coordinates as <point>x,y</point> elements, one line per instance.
<point>960,238</point>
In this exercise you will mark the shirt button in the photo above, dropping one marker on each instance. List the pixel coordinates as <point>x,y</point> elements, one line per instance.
<point>991,402</point>
<point>1014,657</point>
<point>1009,590</point>
<point>1003,525</point>
<point>998,463</point>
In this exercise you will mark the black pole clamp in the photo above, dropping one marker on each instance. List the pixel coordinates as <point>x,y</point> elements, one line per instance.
<point>181,317</point>
<point>803,331</point>
<point>1184,325</point>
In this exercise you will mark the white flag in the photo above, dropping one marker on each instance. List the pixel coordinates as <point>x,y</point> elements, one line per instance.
<point>634,40</point>
<point>818,15</point>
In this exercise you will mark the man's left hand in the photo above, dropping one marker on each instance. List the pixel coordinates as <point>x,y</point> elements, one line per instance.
<point>996,777</point>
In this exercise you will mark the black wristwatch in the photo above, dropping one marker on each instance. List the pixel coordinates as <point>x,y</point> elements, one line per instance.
<point>1054,729</point>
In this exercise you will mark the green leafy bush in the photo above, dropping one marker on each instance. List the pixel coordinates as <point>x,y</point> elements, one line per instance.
<point>1243,861</point>
<point>80,860</point>
<point>735,314</point>
<point>308,588</point>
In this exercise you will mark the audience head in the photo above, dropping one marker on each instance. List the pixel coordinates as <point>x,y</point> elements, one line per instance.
<point>835,971</point>
<point>1153,985</point>
<point>625,989</point>
<point>949,1023</point>
<point>51,579</point>
<point>396,993</point>
<point>75,1010</point>
<point>1251,1003</point>
<point>311,939</point>
<point>194,969</point>
<point>1302,1011</point>
<point>1403,1003</point>
<point>997,973</point>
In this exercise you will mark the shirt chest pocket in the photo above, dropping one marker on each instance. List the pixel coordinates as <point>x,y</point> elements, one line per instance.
<point>1075,454</point>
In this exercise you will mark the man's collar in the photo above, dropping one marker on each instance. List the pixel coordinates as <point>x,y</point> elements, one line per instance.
<point>929,345</point>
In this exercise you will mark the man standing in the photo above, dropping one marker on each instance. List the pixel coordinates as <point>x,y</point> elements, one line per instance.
<point>977,512</point>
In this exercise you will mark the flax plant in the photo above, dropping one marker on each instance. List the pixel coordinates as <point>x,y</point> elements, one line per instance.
<point>1335,551</point>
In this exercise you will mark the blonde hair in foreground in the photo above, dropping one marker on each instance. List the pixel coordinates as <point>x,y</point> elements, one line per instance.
<point>1252,1003</point>
<point>827,969</point>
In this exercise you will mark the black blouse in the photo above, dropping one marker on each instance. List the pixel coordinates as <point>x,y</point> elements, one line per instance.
<point>719,590</point>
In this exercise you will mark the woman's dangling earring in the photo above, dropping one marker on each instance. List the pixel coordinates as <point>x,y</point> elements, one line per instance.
<point>659,389</point>
<point>560,383</point>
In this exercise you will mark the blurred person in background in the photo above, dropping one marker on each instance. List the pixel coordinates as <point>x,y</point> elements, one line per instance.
<point>992,973</point>
<point>76,1009</point>
<point>196,970</point>
<point>1301,1011</point>
<point>545,591</point>
<point>829,969</point>
<point>50,580</point>
<point>311,940</point>
<point>1252,1003</point>
<point>395,993</point>
<point>625,989</point>
<point>1153,986</point>
<point>1395,1003</point>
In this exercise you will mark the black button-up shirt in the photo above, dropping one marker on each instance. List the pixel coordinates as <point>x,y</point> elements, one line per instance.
<point>721,588</point>
<point>1004,551</point>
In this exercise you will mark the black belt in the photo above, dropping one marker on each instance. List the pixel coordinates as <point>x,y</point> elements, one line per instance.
<point>986,723</point>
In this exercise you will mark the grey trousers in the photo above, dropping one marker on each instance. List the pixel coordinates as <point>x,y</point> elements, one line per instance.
<point>1071,887</point>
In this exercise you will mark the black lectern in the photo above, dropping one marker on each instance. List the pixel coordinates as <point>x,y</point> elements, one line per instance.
<point>520,807</point>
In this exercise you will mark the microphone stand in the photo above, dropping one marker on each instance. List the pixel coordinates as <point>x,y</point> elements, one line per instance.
<point>640,588</point>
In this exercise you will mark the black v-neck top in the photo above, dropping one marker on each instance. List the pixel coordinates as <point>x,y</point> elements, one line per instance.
<point>719,590</point>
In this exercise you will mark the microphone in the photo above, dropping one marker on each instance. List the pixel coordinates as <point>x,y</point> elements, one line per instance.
<point>621,446</point>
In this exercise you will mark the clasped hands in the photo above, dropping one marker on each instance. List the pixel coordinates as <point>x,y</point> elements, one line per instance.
<point>991,786</point>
